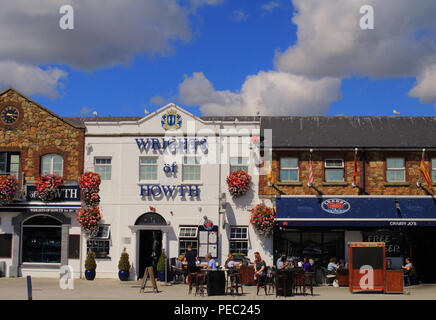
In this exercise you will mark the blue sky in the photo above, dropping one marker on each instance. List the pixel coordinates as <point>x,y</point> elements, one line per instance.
<point>229,41</point>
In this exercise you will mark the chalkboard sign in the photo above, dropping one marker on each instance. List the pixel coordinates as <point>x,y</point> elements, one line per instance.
<point>395,241</point>
<point>5,245</point>
<point>368,256</point>
<point>74,247</point>
<point>148,273</point>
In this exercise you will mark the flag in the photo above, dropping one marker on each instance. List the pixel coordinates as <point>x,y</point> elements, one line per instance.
<point>310,170</point>
<point>355,169</point>
<point>271,178</point>
<point>424,173</point>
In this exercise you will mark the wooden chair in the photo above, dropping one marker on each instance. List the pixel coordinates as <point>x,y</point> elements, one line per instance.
<point>271,279</point>
<point>298,281</point>
<point>233,283</point>
<point>200,283</point>
<point>280,283</point>
<point>261,282</point>
<point>192,281</point>
<point>308,281</point>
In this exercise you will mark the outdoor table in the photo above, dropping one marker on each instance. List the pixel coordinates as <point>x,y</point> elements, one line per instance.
<point>289,282</point>
<point>216,282</point>
<point>342,277</point>
<point>247,275</point>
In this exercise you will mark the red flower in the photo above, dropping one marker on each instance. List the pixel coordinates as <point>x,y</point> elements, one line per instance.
<point>238,182</point>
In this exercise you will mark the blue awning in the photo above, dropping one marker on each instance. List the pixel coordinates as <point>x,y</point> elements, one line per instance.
<point>354,211</point>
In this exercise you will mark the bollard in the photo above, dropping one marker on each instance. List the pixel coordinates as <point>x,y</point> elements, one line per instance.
<point>29,288</point>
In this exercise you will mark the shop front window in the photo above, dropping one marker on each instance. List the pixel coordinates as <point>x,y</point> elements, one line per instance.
<point>42,240</point>
<point>319,246</point>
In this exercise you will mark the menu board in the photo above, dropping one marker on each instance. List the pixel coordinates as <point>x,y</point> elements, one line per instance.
<point>208,242</point>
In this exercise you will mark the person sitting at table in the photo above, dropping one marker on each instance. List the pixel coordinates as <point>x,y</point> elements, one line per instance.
<point>306,265</point>
<point>229,258</point>
<point>282,261</point>
<point>178,268</point>
<point>211,265</point>
<point>333,266</point>
<point>259,265</point>
<point>197,261</point>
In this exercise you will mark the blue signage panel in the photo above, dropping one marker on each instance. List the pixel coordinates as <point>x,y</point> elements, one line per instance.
<point>64,193</point>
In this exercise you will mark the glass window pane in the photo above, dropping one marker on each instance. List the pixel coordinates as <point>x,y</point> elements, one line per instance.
<point>191,160</point>
<point>288,175</point>
<point>191,172</point>
<point>392,163</point>
<point>46,164</point>
<point>148,160</point>
<point>334,163</point>
<point>334,175</point>
<point>236,168</point>
<point>288,163</point>
<point>3,166</point>
<point>15,165</point>
<point>395,175</point>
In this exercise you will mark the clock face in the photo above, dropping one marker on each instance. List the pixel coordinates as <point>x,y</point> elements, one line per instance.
<point>9,115</point>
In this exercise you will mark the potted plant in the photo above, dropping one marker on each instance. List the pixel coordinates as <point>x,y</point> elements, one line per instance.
<point>8,188</point>
<point>238,182</point>
<point>263,219</point>
<point>47,185</point>
<point>161,266</point>
<point>124,266</point>
<point>90,266</point>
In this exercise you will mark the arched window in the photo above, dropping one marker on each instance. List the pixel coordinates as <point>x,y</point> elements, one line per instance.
<point>42,240</point>
<point>52,164</point>
<point>151,218</point>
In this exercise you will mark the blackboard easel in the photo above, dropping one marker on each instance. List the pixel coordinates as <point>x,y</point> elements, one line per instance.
<point>148,273</point>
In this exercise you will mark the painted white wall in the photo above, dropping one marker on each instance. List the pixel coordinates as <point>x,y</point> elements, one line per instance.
<point>121,203</point>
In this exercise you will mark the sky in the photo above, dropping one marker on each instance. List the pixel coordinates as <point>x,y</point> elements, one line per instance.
<point>222,57</point>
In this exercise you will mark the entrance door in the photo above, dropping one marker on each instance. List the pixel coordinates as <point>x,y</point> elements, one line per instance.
<point>423,248</point>
<point>150,247</point>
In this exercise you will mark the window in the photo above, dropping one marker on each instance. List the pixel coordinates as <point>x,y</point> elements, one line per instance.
<point>239,240</point>
<point>9,163</point>
<point>42,240</point>
<point>289,169</point>
<point>191,168</point>
<point>395,170</point>
<point>74,246</point>
<point>52,164</point>
<point>100,243</point>
<point>188,236</point>
<point>238,164</point>
<point>433,169</point>
<point>5,245</point>
<point>148,168</point>
<point>334,170</point>
<point>103,166</point>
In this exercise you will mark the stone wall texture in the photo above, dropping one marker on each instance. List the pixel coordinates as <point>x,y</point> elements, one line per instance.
<point>375,174</point>
<point>41,132</point>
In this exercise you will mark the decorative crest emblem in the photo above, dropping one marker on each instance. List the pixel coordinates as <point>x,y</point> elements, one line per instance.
<point>171,120</point>
<point>335,206</point>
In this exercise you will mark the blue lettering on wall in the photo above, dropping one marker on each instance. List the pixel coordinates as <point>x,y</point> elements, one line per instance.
<point>179,143</point>
<point>155,190</point>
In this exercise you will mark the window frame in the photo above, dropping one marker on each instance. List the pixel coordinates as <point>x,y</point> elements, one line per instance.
<point>141,165</point>
<point>187,239</point>
<point>7,163</point>
<point>51,171</point>
<point>97,254</point>
<point>290,169</point>
<point>238,165</point>
<point>233,239</point>
<point>196,165</point>
<point>103,166</point>
<point>433,169</point>
<point>334,168</point>
<point>403,169</point>
<point>185,228</point>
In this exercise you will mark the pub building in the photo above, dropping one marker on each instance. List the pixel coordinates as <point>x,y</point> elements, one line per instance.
<point>37,237</point>
<point>152,200</point>
<point>367,186</point>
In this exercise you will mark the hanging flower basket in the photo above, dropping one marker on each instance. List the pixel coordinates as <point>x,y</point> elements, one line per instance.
<point>91,199</point>
<point>47,185</point>
<point>238,182</point>
<point>263,219</point>
<point>90,182</point>
<point>8,188</point>
<point>89,219</point>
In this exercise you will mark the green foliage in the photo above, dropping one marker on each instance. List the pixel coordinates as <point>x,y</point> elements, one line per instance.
<point>90,263</point>
<point>124,264</point>
<point>161,263</point>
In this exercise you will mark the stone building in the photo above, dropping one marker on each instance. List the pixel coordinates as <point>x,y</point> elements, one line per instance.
<point>37,237</point>
<point>367,186</point>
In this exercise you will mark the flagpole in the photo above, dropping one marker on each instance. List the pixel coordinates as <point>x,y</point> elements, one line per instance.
<point>309,184</point>
<point>419,183</point>
<point>354,184</point>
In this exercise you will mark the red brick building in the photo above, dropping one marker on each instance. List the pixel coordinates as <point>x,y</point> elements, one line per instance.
<point>35,141</point>
<point>367,186</point>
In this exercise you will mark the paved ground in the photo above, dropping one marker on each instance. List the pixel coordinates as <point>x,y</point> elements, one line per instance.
<point>109,289</point>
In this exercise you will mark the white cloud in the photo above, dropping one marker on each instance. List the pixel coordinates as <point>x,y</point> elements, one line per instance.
<point>85,111</point>
<point>240,15</point>
<point>425,88</point>
<point>270,93</point>
<point>270,6</point>
<point>157,100</point>
<point>30,79</point>
<point>331,43</point>
<point>200,3</point>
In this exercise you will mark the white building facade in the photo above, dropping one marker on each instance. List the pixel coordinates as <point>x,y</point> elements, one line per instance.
<point>164,187</point>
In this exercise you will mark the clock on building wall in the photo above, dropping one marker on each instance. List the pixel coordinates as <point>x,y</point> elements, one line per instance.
<point>10,114</point>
